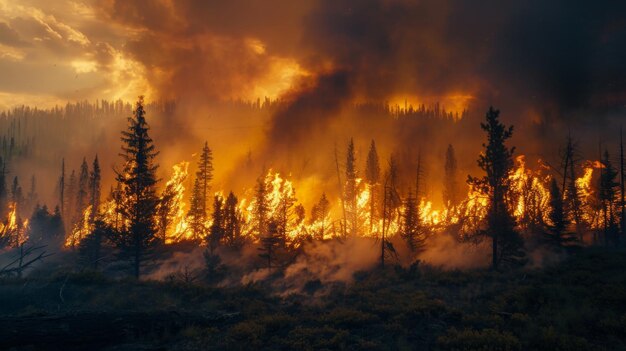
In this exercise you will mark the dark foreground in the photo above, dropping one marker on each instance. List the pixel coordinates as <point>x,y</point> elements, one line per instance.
<point>578,305</point>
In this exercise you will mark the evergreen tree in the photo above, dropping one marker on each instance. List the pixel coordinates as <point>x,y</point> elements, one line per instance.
<point>16,194</point>
<point>607,196</point>
<point>285,211</point>
<point>497,162</point>
<point>205,175</point>
<point>70,201</point>
<point>411,230</point>
<point>557,236</point>
<point>232,221</point>
<point>197,218</point>
<point>372,176</point>
<point>82,196</point>
<point>573,202</point>
<point>94,189</point>
<point>62,187</point>
<point>31,197</point>
<point>138,191</point>
<point>270,244</point>
<point>261,207</point>
<point>4,193</point>
<point>350,192</point>
<point>200,190</point>
<point>91,247</point>
<point>450,188</point>
<point>216,232</point>
<point>391,204</point>
<point>319,214</point>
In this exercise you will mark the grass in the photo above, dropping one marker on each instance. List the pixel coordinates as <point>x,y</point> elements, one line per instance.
<point>579,304</point>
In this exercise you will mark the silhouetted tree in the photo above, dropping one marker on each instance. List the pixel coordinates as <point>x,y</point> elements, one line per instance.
<point>573,202</point>
<point>270,244</point>
<point>199,195</point>
<point>94,189</point>
<point>261,207</point>
<point>197,218</point>
<point>497,162</point>
<point>216,232</point>
<point>410,229</point>
<point>91,247</point>
<point>138,186</point>
<point>4,193</point>
<point>232,221</point>
<point>450,188</point>
<point>350,191</point>
<point>372,176</point>
<point>391,203</point>
<point>82,196</point>
<point>607,195</point>
<point>556,235</point>
<point>319,214</point>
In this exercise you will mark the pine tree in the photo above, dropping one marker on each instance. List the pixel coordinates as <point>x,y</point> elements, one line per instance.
<point>411,230</point>
<point>573,202</point>
<point>270,244</point>
<point>497,162</point>
<point>94,189</point>
<point>319,214</point>
<point>557,236</point>
<point>82,196</point>
<point>70,201</point>
<point>138,191</point>
<point>372,176</point>
<point>607,196</point>
<point>350,192</point>
<point>205,175</point>
<point>62,188</point>
<point>197,218</point>
<point>261,207</point>
<point>391,203</point>
<point>216,232</point>
<point>31,197</point>
<point>16,194</point>
<point>285,211</point>
<point>450,188</point>
<point>232,221</point>
<point>4,194</point>
<point>91,247</point>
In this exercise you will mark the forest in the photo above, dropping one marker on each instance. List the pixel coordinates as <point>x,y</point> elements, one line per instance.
<point>472,260</point>
<point>312,175</point>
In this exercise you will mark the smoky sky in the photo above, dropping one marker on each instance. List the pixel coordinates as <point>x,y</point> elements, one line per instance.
<point>565,53</point>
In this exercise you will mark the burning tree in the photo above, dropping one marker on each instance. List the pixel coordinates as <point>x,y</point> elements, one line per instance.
<point>350,191</point>
<point>372,177</point>
<point>199,196</point>
<point>450,189</point>
<point>138,190</point>
<point>607,196</point>
<point>497,162</point>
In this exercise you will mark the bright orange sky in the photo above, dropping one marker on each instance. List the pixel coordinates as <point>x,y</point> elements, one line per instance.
<point>56,51</point>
